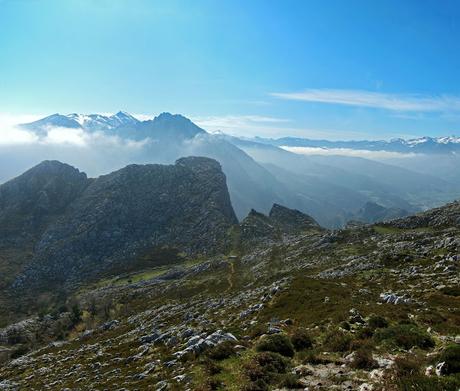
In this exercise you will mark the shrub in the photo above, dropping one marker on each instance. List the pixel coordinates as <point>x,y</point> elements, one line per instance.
<point>277,343</point>
<point>407,366</point>
<point>263,369</point>
<point>75,314</point>
<point>363,359</point>
<point>377,322</point>
<point>222,351</point>
<point>404,336</point>
<point>451,357</point>
<point>365,333</point>
<point>301,340</point>
<point>337,341</point>
<point>272,362</point>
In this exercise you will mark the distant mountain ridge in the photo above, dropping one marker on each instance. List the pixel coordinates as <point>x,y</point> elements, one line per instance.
<point>129,126</point>
<point>417,145</point>
<point>331,189</point>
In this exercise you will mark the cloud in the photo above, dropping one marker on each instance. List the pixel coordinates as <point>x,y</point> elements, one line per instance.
<point>14,136</point>
<point>348,152</point>
<point>393,102</point>
<point>243,125</point>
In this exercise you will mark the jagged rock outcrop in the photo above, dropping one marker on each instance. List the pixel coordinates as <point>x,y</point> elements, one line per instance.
<point>291,220</point>
<point>256,226</point>
<point>133,213</point>
<point>280,221</point>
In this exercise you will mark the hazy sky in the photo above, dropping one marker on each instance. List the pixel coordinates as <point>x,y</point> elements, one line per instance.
<point>321,69</point>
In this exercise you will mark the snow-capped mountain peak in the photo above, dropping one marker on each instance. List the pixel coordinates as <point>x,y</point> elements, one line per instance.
<point>89,122</point>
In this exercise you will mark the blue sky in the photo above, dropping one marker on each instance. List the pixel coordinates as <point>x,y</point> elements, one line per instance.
<point>321,69</point>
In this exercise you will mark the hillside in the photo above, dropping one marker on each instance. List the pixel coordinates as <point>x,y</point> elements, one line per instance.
<point>288,306</point>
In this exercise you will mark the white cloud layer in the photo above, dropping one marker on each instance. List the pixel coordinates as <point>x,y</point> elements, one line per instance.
<point>394,102</point>
<point>348,152</point>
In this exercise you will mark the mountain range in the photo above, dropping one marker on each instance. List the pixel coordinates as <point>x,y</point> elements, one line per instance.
<point>429,145</point>
<point>332,189</point>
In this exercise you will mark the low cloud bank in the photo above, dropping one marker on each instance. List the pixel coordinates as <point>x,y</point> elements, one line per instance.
<point>95,153</point>
<point>348,152</point>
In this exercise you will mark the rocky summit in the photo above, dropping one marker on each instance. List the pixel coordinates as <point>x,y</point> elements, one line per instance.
<point>143,279</point>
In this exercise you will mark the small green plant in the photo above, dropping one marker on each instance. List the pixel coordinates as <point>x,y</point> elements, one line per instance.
<point>278,343</point>
<point>301,340</point>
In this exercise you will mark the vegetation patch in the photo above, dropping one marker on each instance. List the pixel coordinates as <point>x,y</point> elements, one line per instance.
<point>451,358</point>
<point>277,343</point>
<point>404,336</point>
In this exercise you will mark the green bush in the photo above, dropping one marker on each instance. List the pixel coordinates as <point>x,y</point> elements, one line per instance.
<point>301,340</point>
<point>405,336</point>
<point>338,341</point>
<point>278,343</point>
<point>222,351</point>
<point>263,369</point>
<point>377,322</point>
<point>451,356</point>
<point>272,362</point>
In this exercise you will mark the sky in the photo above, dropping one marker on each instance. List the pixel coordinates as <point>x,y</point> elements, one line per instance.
<point>318,69</point>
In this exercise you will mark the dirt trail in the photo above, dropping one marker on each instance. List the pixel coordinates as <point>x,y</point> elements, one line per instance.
<point>231,275</point>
